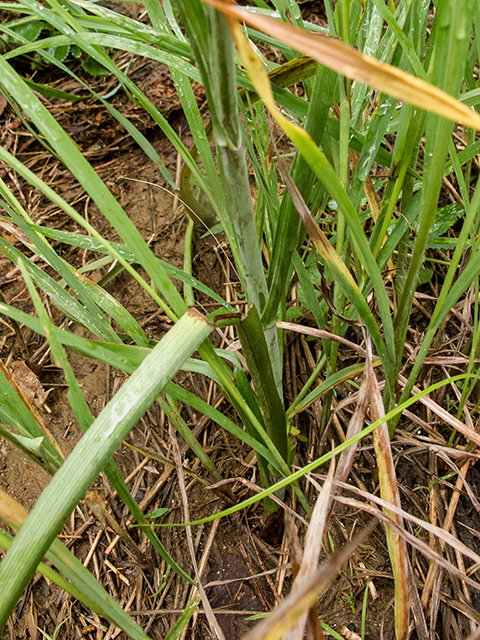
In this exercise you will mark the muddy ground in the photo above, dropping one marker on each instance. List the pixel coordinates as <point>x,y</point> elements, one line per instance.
<point>244,559</point>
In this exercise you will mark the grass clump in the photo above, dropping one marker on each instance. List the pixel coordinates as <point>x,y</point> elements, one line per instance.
<point>382,87</point>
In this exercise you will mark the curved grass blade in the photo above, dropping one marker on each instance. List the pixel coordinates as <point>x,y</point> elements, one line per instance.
<point>66,303</point>
<point>352,64</point>
<point>92,453</point>
<point>87,242</point>
<point>470,434</point>
<point>93,296</point>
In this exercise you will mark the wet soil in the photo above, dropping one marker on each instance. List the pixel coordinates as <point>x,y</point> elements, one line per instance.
<point>244,563</point>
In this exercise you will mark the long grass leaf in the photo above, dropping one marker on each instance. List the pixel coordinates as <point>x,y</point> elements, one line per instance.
<point>390,493</point>
<point>80,584</point>
<point>93,452</point>
<point>352,64</point>
<point>340,272</point>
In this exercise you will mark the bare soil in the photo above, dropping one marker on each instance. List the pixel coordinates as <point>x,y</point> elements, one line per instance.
<point>244,559</point>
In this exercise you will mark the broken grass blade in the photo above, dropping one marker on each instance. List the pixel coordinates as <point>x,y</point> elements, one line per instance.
<point>93,451</point>
<point>297,603</point>
<point>15,414</point>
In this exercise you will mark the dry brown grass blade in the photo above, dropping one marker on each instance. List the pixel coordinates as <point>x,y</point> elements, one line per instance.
<point>414,541</point>
<point>473,498</point>
<point>212,621</point>
<point>433,581</point>
<point>314,629</point>
<point>454,422</point>
<point>313,546</point>
<point>390,493</point>
<point>442,534</point>
<point>417,608</point>
<point>319,333</point>
<point>475,636</point>
<point>319,239</point>
<point>349,62</point>
<point>355,425</point>
<point>293,607</point>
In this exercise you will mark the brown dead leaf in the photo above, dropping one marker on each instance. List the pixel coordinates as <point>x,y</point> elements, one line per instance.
<point>29,383</point>
<point>349,62</point>
<point>3,104</point>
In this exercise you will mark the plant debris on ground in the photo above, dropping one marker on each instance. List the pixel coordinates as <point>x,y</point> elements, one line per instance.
<point>249,561</point>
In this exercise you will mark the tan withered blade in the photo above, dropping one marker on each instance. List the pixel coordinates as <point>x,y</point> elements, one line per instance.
<point>349,62</point>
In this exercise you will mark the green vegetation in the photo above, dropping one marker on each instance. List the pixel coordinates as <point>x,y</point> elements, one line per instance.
<point>356,276</point>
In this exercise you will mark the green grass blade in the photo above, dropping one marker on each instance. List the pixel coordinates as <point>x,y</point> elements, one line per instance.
<point>285,482</point>
<point>256,352</point>
<point>15,414</point>
<point>66,303</point>
<point>109,248</point>
<point>80,584</point>
<point>92,244</point>
<point>451,44</point>
<point>85,418</point>
<point>93,296</point>
<point>287,234</point>
<point>170,407</point>
<point>93,452</point>
<point>219,418</point>
<point>183,620</point>
<point>87,176</point>
<point>34,448</point>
